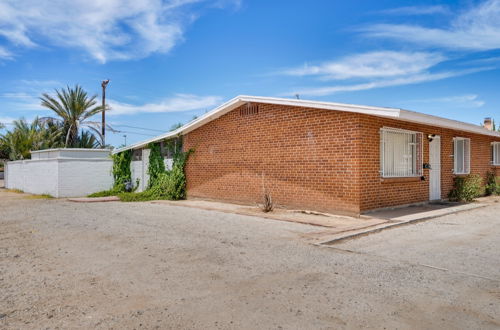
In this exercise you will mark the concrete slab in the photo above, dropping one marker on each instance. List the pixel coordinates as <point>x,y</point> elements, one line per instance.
<point>403,216</point>
<point>94,199</point>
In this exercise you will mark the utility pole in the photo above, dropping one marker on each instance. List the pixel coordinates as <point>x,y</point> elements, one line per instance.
<point>125,136</point>
<point>104,84</point>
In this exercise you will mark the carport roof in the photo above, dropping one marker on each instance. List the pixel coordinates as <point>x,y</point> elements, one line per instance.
<point>395,113</point>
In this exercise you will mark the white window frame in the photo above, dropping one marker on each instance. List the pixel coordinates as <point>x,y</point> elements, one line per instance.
<point>495,153</point>
<point>405,160</point>
<point>465,158</point>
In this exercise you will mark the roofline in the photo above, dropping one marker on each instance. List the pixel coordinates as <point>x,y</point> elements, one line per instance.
<point>70,149</point>
<point>399,114</point>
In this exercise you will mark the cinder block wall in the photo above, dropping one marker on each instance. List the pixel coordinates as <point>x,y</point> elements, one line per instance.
<point>305,158</point>
<point>378,193</point>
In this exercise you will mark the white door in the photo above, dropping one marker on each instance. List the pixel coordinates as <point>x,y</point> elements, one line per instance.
<point>435,171</point>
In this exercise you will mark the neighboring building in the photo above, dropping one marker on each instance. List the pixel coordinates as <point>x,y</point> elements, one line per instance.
<point>329,156</point>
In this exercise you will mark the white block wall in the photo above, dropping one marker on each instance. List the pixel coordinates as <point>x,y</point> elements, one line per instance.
<point>83,177</point>
<point>32,176</point>
<point>137,173</point>
<point>60,177</point>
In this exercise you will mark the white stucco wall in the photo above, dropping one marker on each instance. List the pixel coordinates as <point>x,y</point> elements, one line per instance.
<point>68,176</point>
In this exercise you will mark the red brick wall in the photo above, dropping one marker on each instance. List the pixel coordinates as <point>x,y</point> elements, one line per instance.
<point>306,158</point>
<point>311,159</point>
<point>377,192</point>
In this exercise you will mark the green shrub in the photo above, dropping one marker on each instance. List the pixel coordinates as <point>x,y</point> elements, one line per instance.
<point>466,188</point>
<point>492,184</point>
<point>170,185</point>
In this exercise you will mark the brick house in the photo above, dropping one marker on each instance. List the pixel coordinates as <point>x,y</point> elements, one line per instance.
<point>328,156</point>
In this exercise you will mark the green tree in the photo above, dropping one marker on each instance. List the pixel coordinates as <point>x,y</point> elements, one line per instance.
<point>74,107</point>
<point>87,140</point>
<point>25,137</point>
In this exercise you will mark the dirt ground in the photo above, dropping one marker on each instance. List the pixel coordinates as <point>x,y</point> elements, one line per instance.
<point>141,265</point>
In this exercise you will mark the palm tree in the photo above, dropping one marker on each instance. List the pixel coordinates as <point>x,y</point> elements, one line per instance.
<point>25,137</point>
<point>87,140</point>
<point>74,107</point>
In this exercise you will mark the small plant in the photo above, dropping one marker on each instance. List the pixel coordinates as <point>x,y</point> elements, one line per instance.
<point>466,188</point>
<point>42,196</point>
<point>268,205</point>
<point>492,186</point>
<point>16,191</point>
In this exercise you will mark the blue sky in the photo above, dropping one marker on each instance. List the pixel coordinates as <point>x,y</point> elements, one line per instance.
<point>171,60</point>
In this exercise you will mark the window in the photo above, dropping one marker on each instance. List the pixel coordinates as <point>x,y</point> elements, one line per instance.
<point>400,153</point>
<point>461,155</point>
<point>169,147</point>
<point>137,154</point>
<point>495,153</point>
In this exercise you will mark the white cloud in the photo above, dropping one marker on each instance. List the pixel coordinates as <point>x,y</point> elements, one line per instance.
<point>177,103</point>
<point>5,54</point>
<point>7,120</point>
<point>371,65</point>
<point>105,29</point>
<point>476,29</point>
<point>21,101</point>
<point>463,101</point>
<point>416,10</point>
<point>406,80</point>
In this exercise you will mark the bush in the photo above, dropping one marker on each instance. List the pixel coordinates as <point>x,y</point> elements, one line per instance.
<point>169,185</point>
<point>492,184</point>
<point>466,188</point>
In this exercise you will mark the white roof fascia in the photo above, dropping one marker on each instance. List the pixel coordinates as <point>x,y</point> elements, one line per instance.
<point>431,120</point>
<point>70,149</point>
<point>400,114</point>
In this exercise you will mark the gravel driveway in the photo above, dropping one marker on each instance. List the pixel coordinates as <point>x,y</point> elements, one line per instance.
<point>140,265</point>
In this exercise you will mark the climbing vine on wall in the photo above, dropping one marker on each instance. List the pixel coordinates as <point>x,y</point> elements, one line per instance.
<point>121,169</point>
<point>156,164</point>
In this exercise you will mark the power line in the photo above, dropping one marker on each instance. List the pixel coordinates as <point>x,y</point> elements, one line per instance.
<point>143,128</point>
<point>119,132</point>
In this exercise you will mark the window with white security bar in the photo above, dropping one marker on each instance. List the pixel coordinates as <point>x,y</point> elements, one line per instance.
<point>461,155</point>
<point>401,153</point>
<point>495,153</point>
